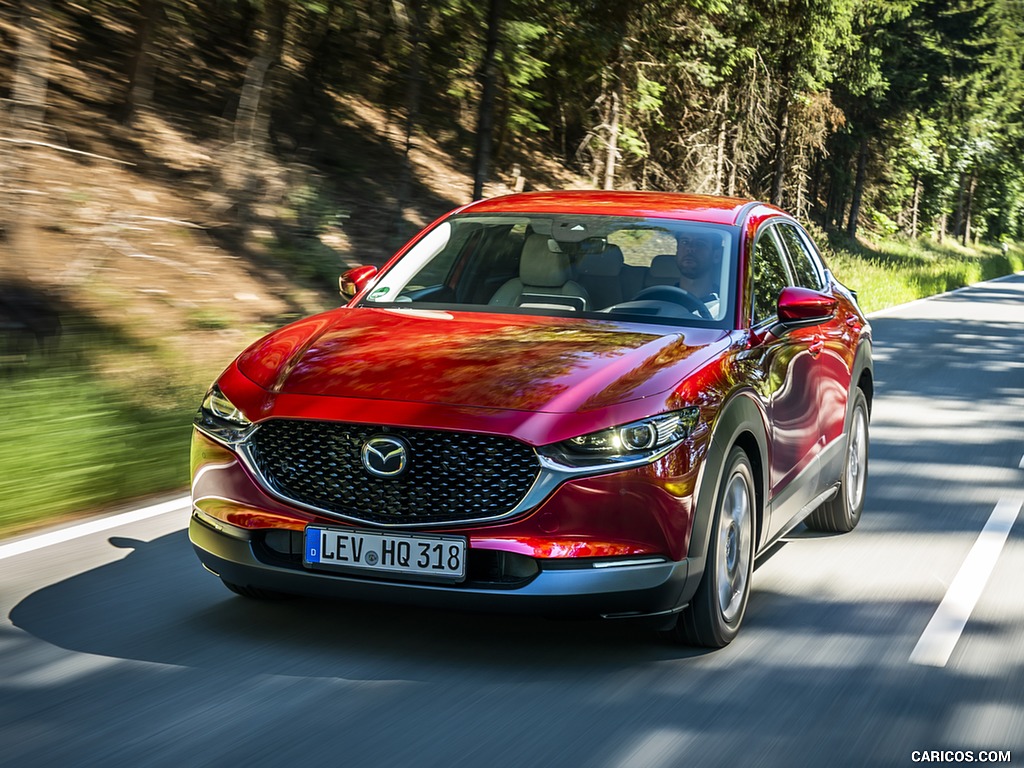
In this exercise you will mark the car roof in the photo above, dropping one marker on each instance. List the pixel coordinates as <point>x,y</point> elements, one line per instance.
<point>665,205</point>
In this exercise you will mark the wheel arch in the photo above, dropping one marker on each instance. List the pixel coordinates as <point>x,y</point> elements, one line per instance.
<point>740,422</point>
<point>863,373</point>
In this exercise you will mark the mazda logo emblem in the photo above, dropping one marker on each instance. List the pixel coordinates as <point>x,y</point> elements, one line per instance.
<point>385,456</point>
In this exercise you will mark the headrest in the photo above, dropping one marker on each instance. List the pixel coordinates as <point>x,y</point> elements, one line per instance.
<point>540,266</point>
<point>606,264</point>
<point>664,266</point>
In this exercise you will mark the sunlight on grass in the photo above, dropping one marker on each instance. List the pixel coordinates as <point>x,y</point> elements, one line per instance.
<point>897,271</point>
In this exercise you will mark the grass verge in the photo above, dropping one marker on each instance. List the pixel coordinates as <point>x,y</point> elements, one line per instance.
<point>74,444</point>
<point>894,272</point>
<point>92,419</point>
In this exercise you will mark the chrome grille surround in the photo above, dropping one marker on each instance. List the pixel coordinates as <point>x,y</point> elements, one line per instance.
<point>452,477</point>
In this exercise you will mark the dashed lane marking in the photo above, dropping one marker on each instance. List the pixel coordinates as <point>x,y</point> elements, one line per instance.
<point>943,631</point>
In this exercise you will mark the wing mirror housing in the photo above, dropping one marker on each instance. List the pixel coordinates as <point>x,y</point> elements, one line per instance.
<point>802,306</point>
<point>354,281</point>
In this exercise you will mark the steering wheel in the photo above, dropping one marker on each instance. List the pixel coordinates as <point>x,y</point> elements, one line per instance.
<point>676,295</point>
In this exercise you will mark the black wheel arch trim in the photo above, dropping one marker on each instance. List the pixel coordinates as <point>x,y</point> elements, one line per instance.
<point>862,362</point>
<point>740,415</point>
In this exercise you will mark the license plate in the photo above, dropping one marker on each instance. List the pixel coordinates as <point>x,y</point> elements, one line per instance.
<point>404,555</point>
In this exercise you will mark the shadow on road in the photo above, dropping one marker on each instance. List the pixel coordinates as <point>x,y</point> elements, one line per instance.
<point>159,605</point>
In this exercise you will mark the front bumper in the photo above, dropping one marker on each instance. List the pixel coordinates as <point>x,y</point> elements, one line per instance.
<point>559,587</point>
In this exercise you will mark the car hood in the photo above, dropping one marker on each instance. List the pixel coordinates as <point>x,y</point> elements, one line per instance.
<point>475,359</point>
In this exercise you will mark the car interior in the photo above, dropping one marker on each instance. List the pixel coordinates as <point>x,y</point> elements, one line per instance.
<point>521,265</point>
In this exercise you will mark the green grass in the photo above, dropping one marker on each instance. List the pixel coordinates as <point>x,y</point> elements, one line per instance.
<point>897,271</point>
<point>77,437</point>
<point>73,444</point>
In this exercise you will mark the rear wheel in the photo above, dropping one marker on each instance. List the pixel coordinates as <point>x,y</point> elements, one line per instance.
<point>842,513</point>
<point>713,617</point>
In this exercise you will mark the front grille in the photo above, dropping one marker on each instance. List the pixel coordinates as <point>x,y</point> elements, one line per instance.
<point>451,476</point>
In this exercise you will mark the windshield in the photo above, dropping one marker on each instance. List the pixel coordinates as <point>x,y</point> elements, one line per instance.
<point>649,270</point>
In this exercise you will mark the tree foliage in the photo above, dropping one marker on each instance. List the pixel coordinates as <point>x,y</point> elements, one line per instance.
<point>896,115</point>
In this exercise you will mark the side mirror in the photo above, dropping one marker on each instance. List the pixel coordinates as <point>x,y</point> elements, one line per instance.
<point>353,281</point>
<point>802,306</point>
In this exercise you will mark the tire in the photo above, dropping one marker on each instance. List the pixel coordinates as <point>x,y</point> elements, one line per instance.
<point>253,593</point>
<point>713,617</point>
<point>842,513</point>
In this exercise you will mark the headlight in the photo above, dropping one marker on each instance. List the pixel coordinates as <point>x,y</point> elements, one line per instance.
<point>631,444</point>
<point>219,418</point>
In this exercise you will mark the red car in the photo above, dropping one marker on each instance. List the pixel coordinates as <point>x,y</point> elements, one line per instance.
<point>563,403</point>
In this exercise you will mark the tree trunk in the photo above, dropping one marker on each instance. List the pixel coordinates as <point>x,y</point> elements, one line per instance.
<point>563,133</point>
<point>32,76</point>
<point>969,204</point>
<point>613,141</point>
<point>19,211</point>
<point>255,103</point>
<point>139,93</point>
<point>489,89</point>
<point>246,158</point>
<point>737,139</point>
<point>407,17</point>
<point>958,218</point>
<point>781,139</point>
<point>316,69</point>
<point>801,188</point>
<point>720,158</point>
<point>858,188</point>
<point>915,210</point>
<point>815,191</point>
<point>839,173</point>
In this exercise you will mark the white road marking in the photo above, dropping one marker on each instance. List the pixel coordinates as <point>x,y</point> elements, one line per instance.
<point>94,526</point>
<point>943,631</point>
<point>1021,465</point>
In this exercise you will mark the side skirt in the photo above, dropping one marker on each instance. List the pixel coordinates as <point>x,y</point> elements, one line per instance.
<point>798,518</point>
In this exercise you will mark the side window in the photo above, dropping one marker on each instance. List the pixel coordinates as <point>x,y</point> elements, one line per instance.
<point>769,276</point>
<point>804,262</point>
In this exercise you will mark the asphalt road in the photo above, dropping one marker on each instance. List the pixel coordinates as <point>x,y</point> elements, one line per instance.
<point>116,648</point>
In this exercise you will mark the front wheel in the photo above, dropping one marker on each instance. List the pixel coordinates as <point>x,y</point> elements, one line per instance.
<point>713,617</point>
<point>842,513</point>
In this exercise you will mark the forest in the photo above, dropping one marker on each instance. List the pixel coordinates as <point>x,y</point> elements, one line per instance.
<point>892,116</point>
